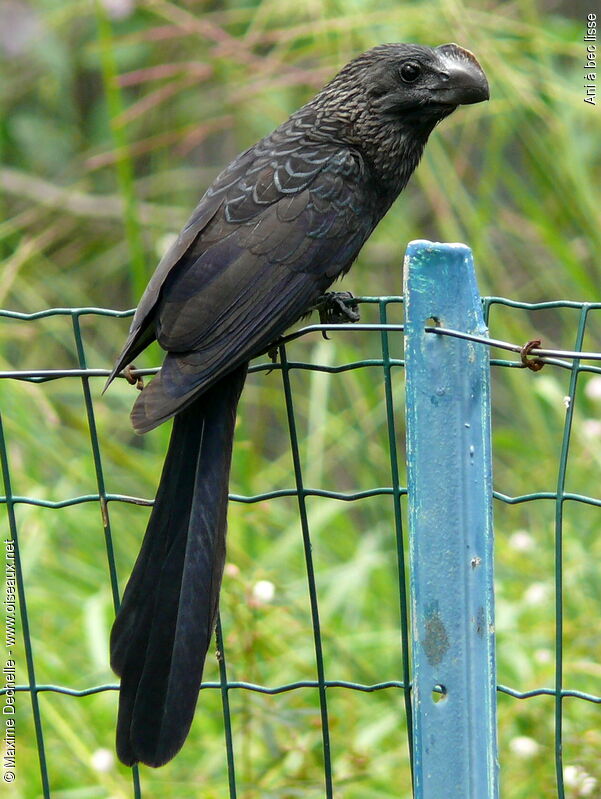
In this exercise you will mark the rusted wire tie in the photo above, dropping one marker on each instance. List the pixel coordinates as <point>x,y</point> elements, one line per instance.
<point>535,364</point>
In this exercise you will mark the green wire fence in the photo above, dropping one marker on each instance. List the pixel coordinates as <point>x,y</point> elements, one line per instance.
<point>575,360</point>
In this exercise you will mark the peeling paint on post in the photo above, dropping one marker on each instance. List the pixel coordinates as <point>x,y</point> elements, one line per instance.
<point>450,515</point>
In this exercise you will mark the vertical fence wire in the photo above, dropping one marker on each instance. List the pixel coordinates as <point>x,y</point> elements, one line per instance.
<point>398,527</point>
<point>227,716</point>
<point>312,586</point>
<point>102,495</point>
<point>559,503</point>
<point>95,446</point>
<point>29,657</point>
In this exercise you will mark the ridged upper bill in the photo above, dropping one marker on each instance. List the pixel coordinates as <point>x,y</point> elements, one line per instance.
<point>463,80</point>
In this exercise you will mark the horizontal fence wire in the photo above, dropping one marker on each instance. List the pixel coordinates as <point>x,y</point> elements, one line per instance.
<point>575,360</point>
<point>293,686</point>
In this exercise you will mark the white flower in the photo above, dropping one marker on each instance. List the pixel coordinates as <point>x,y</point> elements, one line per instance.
<point>20,25</point>
<point>521,541</point>
<point>592,428</point>
<point>537,593</point>
<point>263,591</point>
<point>102,760</point>
<point>593,388</point>
<point>577,777</point>
<point>543,656</point>
<point>525,747</point>
<point>119,9</point>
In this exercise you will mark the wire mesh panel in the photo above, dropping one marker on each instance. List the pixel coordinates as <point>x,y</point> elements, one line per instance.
<point>310,694</point>
<point>316,681</point>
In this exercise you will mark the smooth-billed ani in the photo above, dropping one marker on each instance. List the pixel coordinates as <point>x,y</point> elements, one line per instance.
<point>275,229</point>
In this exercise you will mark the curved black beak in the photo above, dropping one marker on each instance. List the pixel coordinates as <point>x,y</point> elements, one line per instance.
<point>462,79</point>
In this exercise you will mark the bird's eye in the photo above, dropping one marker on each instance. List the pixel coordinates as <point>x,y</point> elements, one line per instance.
<point>410,71</point>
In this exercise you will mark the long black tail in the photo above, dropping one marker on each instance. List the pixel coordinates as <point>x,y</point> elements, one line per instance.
<point>163,629</point>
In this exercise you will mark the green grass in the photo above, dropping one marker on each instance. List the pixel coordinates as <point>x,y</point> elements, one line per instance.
<point>111,130</point>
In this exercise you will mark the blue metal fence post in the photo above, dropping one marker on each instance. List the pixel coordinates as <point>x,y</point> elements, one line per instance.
<point>450,527</point>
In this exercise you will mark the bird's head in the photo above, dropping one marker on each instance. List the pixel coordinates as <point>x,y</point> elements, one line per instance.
<point>405,79</point>
<point>387,100</point>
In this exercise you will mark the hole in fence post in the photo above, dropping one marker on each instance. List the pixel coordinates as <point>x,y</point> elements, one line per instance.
<point>432,321</point>
<point>439,693</point>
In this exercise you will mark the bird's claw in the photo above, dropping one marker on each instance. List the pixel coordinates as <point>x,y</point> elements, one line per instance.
<point>272,353</point>
<point>133,379</point>
<point>337,307</point>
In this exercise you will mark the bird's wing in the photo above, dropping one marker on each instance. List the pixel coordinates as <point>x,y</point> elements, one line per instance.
<point>281,234</point>
<point>142,329</point>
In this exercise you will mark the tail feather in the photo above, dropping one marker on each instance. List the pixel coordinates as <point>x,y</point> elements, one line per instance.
<point>164,626</point>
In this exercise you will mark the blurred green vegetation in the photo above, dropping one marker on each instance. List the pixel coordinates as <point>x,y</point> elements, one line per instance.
<point>115,118</point>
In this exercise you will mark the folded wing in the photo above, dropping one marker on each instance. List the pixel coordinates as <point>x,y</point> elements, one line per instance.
<point>267,239</point>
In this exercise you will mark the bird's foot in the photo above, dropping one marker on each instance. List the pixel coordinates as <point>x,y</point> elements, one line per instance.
<point>133,379</point>
<point>336,308</point>
<point>272,353</point>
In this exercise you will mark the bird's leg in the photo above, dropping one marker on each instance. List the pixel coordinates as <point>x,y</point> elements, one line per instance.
<point>335,308</point>
<point>272,352</point>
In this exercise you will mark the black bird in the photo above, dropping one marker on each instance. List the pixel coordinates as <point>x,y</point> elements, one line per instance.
<point>275,229</point>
